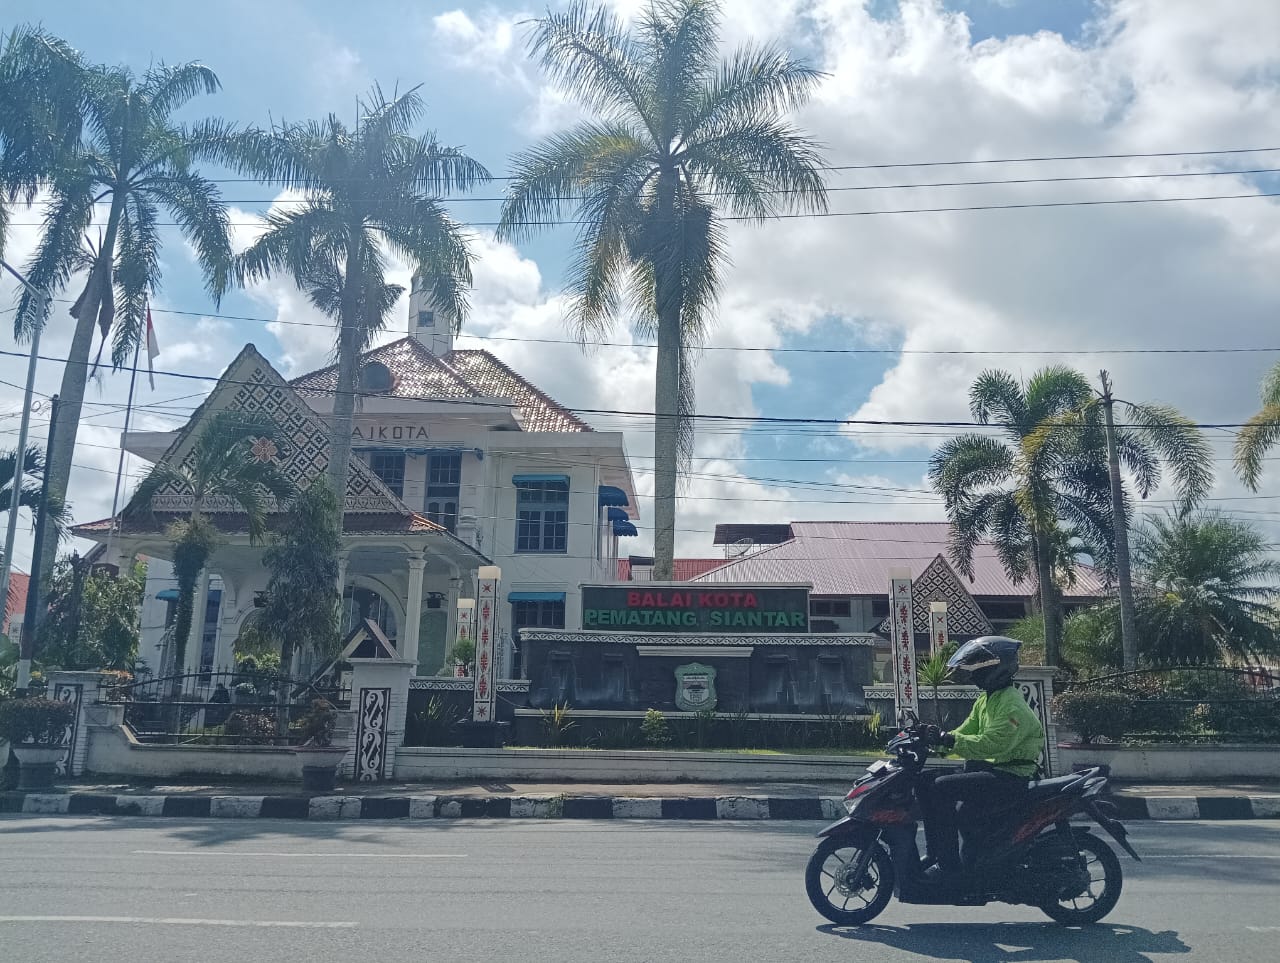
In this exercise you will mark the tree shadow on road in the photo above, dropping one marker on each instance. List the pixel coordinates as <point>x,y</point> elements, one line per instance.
<point>1018,942</point>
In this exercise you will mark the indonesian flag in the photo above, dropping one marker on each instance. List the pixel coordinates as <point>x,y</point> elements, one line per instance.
<point>153,350</point>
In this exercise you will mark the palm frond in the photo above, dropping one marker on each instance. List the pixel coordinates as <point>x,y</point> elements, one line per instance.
<point>996,396</point>
<point>759,168</point>
<point>1182,446</point>
<point>1259,435</point>
<point>166,88</point>
<point>137,275</point>
<point>196,205</point>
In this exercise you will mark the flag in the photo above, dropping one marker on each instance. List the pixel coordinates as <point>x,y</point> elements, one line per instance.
<point>153,350</point>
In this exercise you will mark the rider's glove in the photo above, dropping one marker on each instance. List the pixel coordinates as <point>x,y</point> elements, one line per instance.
<point>947,740</point>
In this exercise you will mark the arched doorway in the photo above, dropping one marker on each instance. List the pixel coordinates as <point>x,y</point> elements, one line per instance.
<point>360,603</point>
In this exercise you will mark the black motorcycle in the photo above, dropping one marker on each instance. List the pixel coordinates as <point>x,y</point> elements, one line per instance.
<point>1026,853</point>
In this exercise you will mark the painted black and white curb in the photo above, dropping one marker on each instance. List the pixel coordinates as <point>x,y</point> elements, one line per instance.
<point>553,807</point>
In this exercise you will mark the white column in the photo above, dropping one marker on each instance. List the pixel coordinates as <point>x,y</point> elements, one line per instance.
<point>223,656</point>
<point>342,572</point>
<point>196,639</point>
<point>413,612</point>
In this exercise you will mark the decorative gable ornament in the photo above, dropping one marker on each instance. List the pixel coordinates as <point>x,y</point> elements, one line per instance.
<point>939,583</point>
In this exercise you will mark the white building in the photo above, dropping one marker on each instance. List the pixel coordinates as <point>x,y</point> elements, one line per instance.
<point>461,463</point>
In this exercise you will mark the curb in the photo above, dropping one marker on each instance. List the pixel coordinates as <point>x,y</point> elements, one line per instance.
<point>556,807</point>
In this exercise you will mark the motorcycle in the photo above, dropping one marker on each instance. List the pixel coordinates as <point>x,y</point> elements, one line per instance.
<point>1026,853</point>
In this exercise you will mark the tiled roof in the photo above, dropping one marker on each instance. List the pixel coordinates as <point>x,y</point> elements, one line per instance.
<point>682,569</point>
<point>146,523</point>
<point>417,373</point>
<point>855,558</point>
<point>493,379</point>
<point>19,582</point>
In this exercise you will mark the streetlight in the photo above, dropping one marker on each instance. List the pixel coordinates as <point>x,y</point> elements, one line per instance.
<point>11,531</point>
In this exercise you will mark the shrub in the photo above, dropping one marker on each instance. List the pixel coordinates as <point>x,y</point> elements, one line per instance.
<point>1093,713</point>
<point>40,721</point>
<point>437,723</point>
<point>316,727</point>
<point>250,728</point>
<point>654,730</point>
<point>556,722</point>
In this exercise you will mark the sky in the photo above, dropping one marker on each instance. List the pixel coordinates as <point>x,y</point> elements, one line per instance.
<point>919,83</point>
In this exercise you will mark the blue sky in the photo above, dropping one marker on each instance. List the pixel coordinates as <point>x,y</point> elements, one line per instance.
<point>910,81</point>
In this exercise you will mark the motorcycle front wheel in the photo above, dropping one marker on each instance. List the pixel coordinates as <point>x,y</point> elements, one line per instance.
<point>832,890</point>
<point>1095,890</point>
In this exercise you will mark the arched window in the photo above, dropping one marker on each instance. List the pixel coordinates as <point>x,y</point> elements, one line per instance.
<point>375,378</point>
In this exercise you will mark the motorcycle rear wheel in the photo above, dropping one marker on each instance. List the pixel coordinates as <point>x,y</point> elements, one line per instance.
<point>1106,879</point>
<point>843,901</point>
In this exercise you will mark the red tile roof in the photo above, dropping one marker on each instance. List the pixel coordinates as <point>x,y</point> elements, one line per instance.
<point>418,374</point>
<point>683,569</point>
<point>19,582</point>
<point>855,558</point>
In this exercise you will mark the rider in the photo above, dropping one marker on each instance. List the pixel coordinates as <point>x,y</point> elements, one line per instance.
<point>1000,742</point>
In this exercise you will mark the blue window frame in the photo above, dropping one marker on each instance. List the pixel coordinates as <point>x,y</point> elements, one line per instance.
<point>542,514</point>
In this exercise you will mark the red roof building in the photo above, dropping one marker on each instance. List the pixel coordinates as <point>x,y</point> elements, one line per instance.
<point>16,604</point>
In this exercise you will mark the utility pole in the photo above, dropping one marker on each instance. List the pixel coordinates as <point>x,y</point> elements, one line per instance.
<point>1120,527</point>
<point>24,425</point>
<point>27,641</point>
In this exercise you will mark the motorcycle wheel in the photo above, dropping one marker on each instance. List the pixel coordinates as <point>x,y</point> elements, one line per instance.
<point>843,901</point>
<point>1106,878</point>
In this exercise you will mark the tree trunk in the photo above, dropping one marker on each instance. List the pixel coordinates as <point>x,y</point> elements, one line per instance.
<point>344,401</point>
<point>1120,527</point>
<point>75,376</point>
<point>183,618</point>
<point>1049,608</point>
<point>666,436</point>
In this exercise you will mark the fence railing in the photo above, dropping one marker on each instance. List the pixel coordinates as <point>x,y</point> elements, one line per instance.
<point>220,708</point>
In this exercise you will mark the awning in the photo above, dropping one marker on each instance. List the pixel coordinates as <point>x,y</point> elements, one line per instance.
<point>613,497</point>
<point>535,596</point>
<point>518,479</point>
<point>167,595</point>
<point>618,515</point>
<point>624,530</point>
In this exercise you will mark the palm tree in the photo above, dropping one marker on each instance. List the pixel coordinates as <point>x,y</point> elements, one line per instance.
<point>1261,433</point>
<point>682,140</point>
<point>221,466</point>
<point>1035,504</point>
<point>132,156</point>
<point>369,192</point>
<point>1150,439</point>
<point>1210,584</point>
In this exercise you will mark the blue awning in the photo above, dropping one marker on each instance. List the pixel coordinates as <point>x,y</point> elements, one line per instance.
<point>535,596</point>
<point>167,595</point>
<point>618,515</point>
<point>624,530</point>
<point>517,479</point>
<point>613,497</point>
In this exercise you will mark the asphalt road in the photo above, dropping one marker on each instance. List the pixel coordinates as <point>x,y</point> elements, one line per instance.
<point>213,891</point>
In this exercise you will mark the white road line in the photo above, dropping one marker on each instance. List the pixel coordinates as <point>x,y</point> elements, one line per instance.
<point>1263,929</point>
<point>178,921</point>
<point>233,852</point>
<point>1206,856</point>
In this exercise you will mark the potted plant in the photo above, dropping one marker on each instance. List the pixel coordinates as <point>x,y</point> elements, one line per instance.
<point>316,752</point>
<point>36,728</point>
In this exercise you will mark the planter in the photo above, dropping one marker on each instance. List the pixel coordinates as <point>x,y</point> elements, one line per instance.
<point>320,766</point>
<point>36,765</point>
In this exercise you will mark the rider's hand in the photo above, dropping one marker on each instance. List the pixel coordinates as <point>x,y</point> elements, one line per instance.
<point>934,736</point>
<point>946,740</point>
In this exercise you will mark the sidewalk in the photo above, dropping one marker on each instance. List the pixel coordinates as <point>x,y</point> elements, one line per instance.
<point>446,800</point>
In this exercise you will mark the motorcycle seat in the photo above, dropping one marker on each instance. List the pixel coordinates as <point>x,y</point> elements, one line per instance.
<point>1043,788</point>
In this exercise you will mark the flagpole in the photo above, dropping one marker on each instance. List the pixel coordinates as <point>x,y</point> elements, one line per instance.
<point>128,412</point>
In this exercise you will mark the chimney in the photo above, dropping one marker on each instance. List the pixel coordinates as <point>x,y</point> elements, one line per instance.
<point>425,323</point>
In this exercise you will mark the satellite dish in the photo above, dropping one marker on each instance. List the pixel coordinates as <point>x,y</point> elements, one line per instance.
<point>740,547</point>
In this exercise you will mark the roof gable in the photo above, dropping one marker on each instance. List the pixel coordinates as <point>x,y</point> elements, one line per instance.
<point>301,450</point>
<point>491,378</point>
<point>939,583</point>
<point>415,373</point>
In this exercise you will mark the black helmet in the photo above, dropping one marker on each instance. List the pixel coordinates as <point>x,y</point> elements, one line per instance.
<point>990,662</point>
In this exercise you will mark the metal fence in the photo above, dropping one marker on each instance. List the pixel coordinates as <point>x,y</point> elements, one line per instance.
<point>220,708</point>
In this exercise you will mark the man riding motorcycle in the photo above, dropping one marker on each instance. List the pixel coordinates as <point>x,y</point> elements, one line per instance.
<point>1000,741</point>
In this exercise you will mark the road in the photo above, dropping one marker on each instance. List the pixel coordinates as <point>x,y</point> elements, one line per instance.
<point>218,890</point>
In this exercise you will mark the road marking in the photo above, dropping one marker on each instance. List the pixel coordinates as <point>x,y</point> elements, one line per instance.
<point>178,921</point>
<point>188,852</point>
<point>1206,856</point>
<point>1263,929</point>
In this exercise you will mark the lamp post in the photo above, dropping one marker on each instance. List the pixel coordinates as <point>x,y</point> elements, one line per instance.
<point>24,424</point>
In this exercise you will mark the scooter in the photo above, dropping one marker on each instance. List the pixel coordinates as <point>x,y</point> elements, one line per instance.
<point>1027,853</point>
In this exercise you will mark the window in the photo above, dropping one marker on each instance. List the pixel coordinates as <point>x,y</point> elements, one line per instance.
<point>389,466</point>
<point>879,606</point>
<point>444,486</point>
<point>1002,610</point>
<point>426,319</point>
<point>830,608</point>
<point>538,615</point>
<point>542,515</point>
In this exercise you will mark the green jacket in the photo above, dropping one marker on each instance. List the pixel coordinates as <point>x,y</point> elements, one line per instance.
<point>1003,731</point>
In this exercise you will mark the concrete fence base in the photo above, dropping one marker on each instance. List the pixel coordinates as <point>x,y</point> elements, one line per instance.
<point>1204,763</point>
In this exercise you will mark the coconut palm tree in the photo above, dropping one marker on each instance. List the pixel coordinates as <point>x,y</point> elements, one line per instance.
<point>682,140</point>
<point>1033,504</point>
<point>220,466</point>
<point>370,192</point>
<point>130,155</point>
<point>1262,432</point>
<point>1210,584</point>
